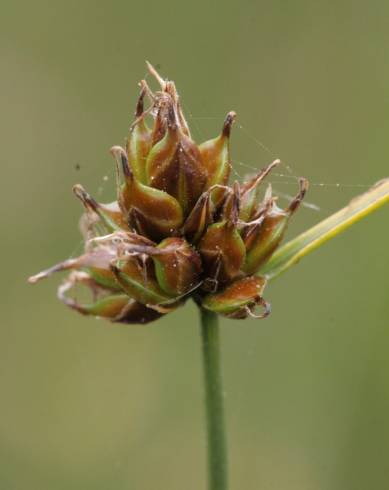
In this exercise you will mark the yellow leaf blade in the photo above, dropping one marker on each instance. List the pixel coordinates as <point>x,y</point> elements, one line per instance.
<point>359,207</point>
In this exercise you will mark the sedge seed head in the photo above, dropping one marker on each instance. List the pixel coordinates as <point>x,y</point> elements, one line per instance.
<point>177,229</point>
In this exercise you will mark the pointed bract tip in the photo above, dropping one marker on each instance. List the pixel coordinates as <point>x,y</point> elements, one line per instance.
<point>156,75</point>
<point>116,151</point>
<point>228,122</point>
<point>121,158</point>
<point>266,309</point>
<point>79,191</point>
<point>37,277</point>
<point>257,179</point>
<point>265,171</point>
<point>86,199</point>
<point>295,203</point>
<point>140,103</point>
<point>304,185</point>
<point>62,266</point>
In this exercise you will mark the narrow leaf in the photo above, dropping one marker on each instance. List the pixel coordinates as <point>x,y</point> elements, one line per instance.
<point>359,207</point>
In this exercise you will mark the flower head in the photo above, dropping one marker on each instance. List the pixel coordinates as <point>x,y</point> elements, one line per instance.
<point>177,228</point>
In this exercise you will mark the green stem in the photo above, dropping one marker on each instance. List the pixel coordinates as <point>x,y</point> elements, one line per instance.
<point>216,434</point>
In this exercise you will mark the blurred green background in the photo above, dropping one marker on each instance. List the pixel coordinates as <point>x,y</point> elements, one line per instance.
<point>86,405</point>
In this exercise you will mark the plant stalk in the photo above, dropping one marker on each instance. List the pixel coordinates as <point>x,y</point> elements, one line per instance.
<point>216,433</point>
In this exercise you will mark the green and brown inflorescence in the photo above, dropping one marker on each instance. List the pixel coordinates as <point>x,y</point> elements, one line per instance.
<point>177,229</point>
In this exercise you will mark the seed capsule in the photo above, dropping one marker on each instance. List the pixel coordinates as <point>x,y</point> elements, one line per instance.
<point>223,252</point>
<point>139,282</point>
<point>118,308</point>
<point>222,248</point>
<point>267,234</point>
<point>177,266</point>
<point>239,299</point>
<point>162,100</point>
<point>135,313</point>
<point>110,214</point>
<point>139,142</point>
<point>174,165</point>
<point>200,218</point>
<point>161,104</point>
<point>215,156</point>
<point>230,206</point>
<point>157,213</point>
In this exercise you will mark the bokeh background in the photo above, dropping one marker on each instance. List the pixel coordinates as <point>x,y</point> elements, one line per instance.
<point>86,405</point>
